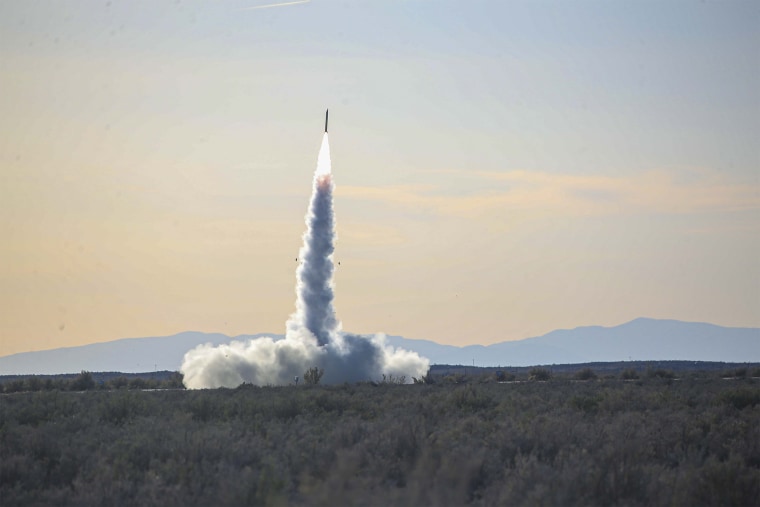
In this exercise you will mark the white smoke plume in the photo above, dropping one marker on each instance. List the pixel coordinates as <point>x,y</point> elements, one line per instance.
<point>313,333</point>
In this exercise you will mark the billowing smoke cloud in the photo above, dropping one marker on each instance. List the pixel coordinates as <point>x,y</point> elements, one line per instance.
<point>313,333</point>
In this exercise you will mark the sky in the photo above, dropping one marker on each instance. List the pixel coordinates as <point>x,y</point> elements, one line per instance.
<point>502,169</point>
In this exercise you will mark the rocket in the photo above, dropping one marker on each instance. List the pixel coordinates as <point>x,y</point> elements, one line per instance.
<point>326,111</point>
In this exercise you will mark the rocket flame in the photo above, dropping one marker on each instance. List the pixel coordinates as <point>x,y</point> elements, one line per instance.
<point>324,165</point>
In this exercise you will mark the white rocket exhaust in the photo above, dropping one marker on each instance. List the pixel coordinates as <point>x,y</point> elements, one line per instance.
<point>313,336</point>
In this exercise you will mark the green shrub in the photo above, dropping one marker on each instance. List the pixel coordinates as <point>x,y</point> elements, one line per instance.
<point>585,374</point>
<point>425,379</point>
<point>504,376</point>
<point>14,386</point>
<point>118,383</point>
<point>83,382</point>
<point>205,407</point>
<point>390,379</point>
<point>556,443</point>
<point>661,373</point>
<point>455,378</point>
<point>471,398</point>
<point>735,373</point>
<point>175,381</point>
<point>629,374</point>
<point>742,397</point>
<point>539,374</point>
<point>313,375</point>
<point>585,403</point>
<point>34,383</point>
<point>119,408</point>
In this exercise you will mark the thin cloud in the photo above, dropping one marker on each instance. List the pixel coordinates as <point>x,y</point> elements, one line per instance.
<point>654,191</point>
<point>281,4</point>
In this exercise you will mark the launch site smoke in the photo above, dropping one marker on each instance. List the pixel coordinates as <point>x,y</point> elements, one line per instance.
<point>313,336</point>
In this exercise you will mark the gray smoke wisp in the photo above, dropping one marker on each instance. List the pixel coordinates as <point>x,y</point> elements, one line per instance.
<point>313,333</point>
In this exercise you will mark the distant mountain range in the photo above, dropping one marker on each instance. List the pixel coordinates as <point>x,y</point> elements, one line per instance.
<point>640,339</point>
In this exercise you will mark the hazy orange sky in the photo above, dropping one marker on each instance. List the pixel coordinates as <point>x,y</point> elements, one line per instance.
<point>503,169</point>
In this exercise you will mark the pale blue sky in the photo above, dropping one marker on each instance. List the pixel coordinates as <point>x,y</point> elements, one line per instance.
<point>503,168</point>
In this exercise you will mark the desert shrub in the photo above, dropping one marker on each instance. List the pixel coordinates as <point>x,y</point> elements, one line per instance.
<point>585,374</point>
<point>175,381</point>
<point>735,373</point>
<point>34,383</point>
<point>539,374</point>
<point>14,386</point>
<point>455,378</point>
<point>742,397</point>
<point>32,414</point>
<point>83,382</point>
<point>138,383</point>
<point>471,398</point>
<point>313,375</point>
<point>390,379</point>
<point>661,373</point>
<point>118,408</point>
<point>629,374</point>
<point>425,379</point>
<point>286,409</point>
<point>726,482</point>
<point>557,443</point>
<point>504,376</point>
<point>118,383</point>
<point>204,407</point>
<point>585,403</point>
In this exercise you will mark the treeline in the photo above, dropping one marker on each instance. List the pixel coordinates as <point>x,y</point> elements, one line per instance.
<point>649,441</point>
<point>607,369</point>
<point>438,373</point>
<point>463,374</point>
<point>87,381</point>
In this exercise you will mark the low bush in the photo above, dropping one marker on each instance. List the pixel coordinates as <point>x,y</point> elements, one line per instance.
<point>690,442</point>
<point>585,374</point>
<point>629,374</point>
<point>539,374</point>
<point>83,382</point>
<point>504,376</point>
<point>742,397</point>
<point>313,375</point>
<point>661,373</point>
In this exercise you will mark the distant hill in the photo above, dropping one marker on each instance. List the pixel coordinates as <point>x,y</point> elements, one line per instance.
<point>639,340</point>
<point>128,355</point>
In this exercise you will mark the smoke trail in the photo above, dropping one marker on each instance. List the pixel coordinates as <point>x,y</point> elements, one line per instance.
<point>313,336</point>
<point>271,6</point>
<point>314,289</point>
